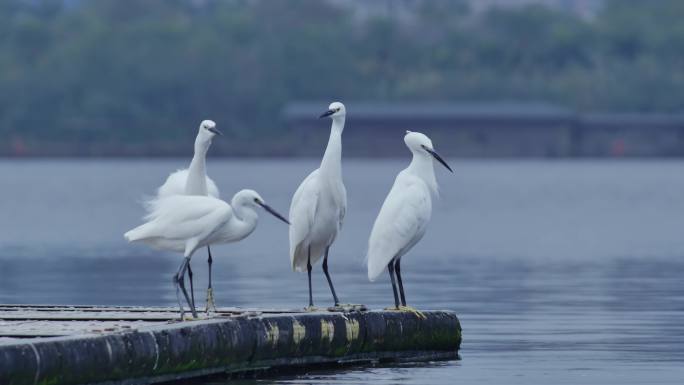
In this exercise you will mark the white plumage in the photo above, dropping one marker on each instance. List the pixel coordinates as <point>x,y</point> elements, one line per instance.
<point>316,217</point>
<point>176,184</point>
<point>193,180</point>
<point>401,223</point>
<point>184,223</point>
<point>319,205</point>
<point>405,214</point>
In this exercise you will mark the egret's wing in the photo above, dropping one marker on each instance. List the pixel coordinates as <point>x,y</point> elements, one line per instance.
<point>343,208</point>
<point>212,189</point>
<point>174,184</point>
<point>400,224</point>
<point>302,213</point>
<point>182,217</point>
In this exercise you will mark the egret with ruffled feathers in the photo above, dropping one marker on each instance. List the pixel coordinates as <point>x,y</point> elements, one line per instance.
<point>185,223</point>
<point>195,181</point>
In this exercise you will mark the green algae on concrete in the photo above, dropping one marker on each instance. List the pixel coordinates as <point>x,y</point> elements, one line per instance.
<point>229,344</point>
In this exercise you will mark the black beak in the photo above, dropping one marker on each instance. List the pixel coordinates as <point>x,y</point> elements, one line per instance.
<point>215,131</point>
<point>273,212</point>
<point>326,113</point>
<point>439,158</point>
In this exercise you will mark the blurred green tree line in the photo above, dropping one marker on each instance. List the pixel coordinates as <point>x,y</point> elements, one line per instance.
<point>134,72</point>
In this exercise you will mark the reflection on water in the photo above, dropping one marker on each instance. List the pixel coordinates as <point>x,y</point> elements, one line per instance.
<point>567,272</point>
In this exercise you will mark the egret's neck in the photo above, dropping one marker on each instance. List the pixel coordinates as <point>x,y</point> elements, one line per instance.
<point>196,183</point>
<point>422,167</point>
<point>332,159</point>
<point>242,223</point>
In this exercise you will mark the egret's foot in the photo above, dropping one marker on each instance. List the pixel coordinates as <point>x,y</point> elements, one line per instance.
<point>410,309</point>
<point>311,309</point>
<point>347,307</point>
<point>185,316</point>
<point>211,306</point>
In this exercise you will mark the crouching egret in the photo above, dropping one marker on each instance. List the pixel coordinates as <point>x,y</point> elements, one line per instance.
<point>318,206</point>
<point>194,181</point>
<point>405,213</point>
<point>185,223</point>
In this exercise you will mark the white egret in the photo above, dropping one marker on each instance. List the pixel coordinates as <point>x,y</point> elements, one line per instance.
<point>318,206</point>
<point>185,223</point>
<point>405,213</point>
<point>194,181</point>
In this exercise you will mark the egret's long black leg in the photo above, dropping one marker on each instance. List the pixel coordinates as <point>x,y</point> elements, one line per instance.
<point>325,270</point>
<point>209,262</point>
<point>180,303</point>
<point>397,268</point>
<point>210,291</point>
<point>180,281</point>
<point>390,268</point>
<point>308,269</point>
<point>192,288</point>
<point>177,279</point>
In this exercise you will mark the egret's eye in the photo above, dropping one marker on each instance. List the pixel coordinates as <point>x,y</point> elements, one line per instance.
<point>256,200</point>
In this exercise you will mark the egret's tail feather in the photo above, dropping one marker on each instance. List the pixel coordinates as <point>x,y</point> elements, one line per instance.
<point>158,206</point>
<point>151,205</point>
<point>377,262</point>
<point>374,270</point>
<point>295,259</point>
<point>137,233</point>
<point>148,204</point>
<point>132,235</point>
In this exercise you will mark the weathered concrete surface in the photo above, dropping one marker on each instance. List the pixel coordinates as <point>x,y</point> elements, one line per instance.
<point>228,344</point>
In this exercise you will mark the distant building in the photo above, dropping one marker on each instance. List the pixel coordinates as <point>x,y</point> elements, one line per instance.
<point>631,134</point>
<point>404,10</point>
<point>488,130</point>
<point>585,9</point>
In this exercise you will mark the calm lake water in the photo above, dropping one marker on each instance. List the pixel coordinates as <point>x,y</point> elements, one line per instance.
<point>562,272</point>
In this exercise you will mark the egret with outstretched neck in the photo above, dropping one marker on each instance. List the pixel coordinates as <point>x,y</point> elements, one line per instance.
<point>185,223</point>
<point>404,215</point>
<point>318,206</point>
<point>195,181</point>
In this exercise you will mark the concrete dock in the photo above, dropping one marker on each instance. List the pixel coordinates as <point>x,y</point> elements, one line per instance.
<point>135,345</point>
